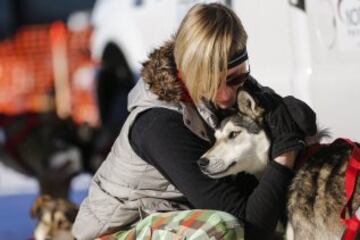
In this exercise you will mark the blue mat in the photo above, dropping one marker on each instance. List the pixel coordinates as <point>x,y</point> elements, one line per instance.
<point>15,219</point>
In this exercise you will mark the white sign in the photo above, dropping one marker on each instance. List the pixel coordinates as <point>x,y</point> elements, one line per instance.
<point>348,23</point>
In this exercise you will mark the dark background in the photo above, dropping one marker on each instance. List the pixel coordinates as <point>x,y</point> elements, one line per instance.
<point>16,13</point>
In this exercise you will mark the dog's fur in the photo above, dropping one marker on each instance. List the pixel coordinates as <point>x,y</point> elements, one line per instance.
<point>56,217</point>
<point>316,195</point>
<point>45,147</point>
<point>51,149</point>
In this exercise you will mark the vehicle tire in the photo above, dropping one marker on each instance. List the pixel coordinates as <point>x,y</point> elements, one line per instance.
<point>114,81</point>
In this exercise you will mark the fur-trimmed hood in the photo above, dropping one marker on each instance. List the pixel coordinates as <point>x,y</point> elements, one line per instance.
<point>160,73</point>
<point>160,87</point>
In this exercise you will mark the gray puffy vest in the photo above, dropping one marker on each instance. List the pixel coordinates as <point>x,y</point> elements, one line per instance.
<point>126,188</point>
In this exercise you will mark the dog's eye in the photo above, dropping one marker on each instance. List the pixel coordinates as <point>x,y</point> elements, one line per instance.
<point>234,134</point>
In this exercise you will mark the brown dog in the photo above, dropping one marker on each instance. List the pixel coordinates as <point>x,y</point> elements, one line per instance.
<point>55,216</point>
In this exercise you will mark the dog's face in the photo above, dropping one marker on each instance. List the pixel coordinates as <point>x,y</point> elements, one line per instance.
<point>55,216</point>
<point>241,143</point>
<point>63,154</point>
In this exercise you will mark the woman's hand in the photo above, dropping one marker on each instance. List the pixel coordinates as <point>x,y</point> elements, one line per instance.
<point>287,159</point>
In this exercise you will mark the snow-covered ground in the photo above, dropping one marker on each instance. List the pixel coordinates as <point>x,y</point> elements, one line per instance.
<point>12,182</point>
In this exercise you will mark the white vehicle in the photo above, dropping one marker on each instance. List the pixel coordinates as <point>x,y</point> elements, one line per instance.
<point>310,49</point>
<point>132,28</point>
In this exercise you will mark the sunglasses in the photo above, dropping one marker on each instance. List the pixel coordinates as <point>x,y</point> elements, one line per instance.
<point>237,79</point>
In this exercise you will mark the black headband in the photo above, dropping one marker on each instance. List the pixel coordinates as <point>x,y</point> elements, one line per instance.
<point>238,58</point>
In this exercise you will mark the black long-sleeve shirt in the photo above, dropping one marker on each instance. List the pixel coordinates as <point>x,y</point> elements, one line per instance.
<point>160,137</point>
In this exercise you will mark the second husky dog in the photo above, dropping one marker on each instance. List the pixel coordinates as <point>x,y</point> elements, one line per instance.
<point>317,193</point>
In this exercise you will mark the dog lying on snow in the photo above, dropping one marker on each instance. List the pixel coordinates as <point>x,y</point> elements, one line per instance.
<point>316,195</point>
<point>56,217</point>
<point>43,146</point>
<point>51,149</point>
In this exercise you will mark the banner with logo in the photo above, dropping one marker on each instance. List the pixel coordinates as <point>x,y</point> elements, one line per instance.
<point>348,23</point>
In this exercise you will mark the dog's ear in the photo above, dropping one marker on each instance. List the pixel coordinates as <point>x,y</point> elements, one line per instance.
<point>38,204</point>
<point>249,106</point>
<point>70,210</point>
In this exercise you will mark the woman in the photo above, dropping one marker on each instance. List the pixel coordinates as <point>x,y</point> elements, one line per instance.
<point>174,108</point>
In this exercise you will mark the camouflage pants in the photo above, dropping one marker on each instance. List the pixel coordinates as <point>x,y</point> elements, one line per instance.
<point>189,225</point>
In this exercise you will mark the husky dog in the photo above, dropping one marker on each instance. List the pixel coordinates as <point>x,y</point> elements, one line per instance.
<point>51,149</point>
<point>316,195</point>
<point>42,146</point>
<point>56,217</point>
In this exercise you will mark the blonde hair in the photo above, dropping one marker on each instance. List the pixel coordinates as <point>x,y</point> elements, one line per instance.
<point>207,37</point>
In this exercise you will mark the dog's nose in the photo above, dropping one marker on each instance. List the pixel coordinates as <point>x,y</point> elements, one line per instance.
<point>203,162</point>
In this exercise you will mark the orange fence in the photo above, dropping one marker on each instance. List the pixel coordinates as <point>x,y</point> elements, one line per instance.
<point>27,73</point>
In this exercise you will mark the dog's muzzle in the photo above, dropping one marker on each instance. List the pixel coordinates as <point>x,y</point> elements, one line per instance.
<point>203,162</point>
<point>212,169</point>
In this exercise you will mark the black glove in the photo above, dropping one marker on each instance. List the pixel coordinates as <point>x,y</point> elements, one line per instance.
<point>288,123</point>
<point>302,114</point>
<point>288,120</point>
<point>284,133</point>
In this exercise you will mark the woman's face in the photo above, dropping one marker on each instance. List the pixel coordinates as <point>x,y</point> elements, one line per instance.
<point>236,77</point>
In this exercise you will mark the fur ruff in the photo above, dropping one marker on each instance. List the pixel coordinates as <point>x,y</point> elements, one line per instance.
<point>160,72</point>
